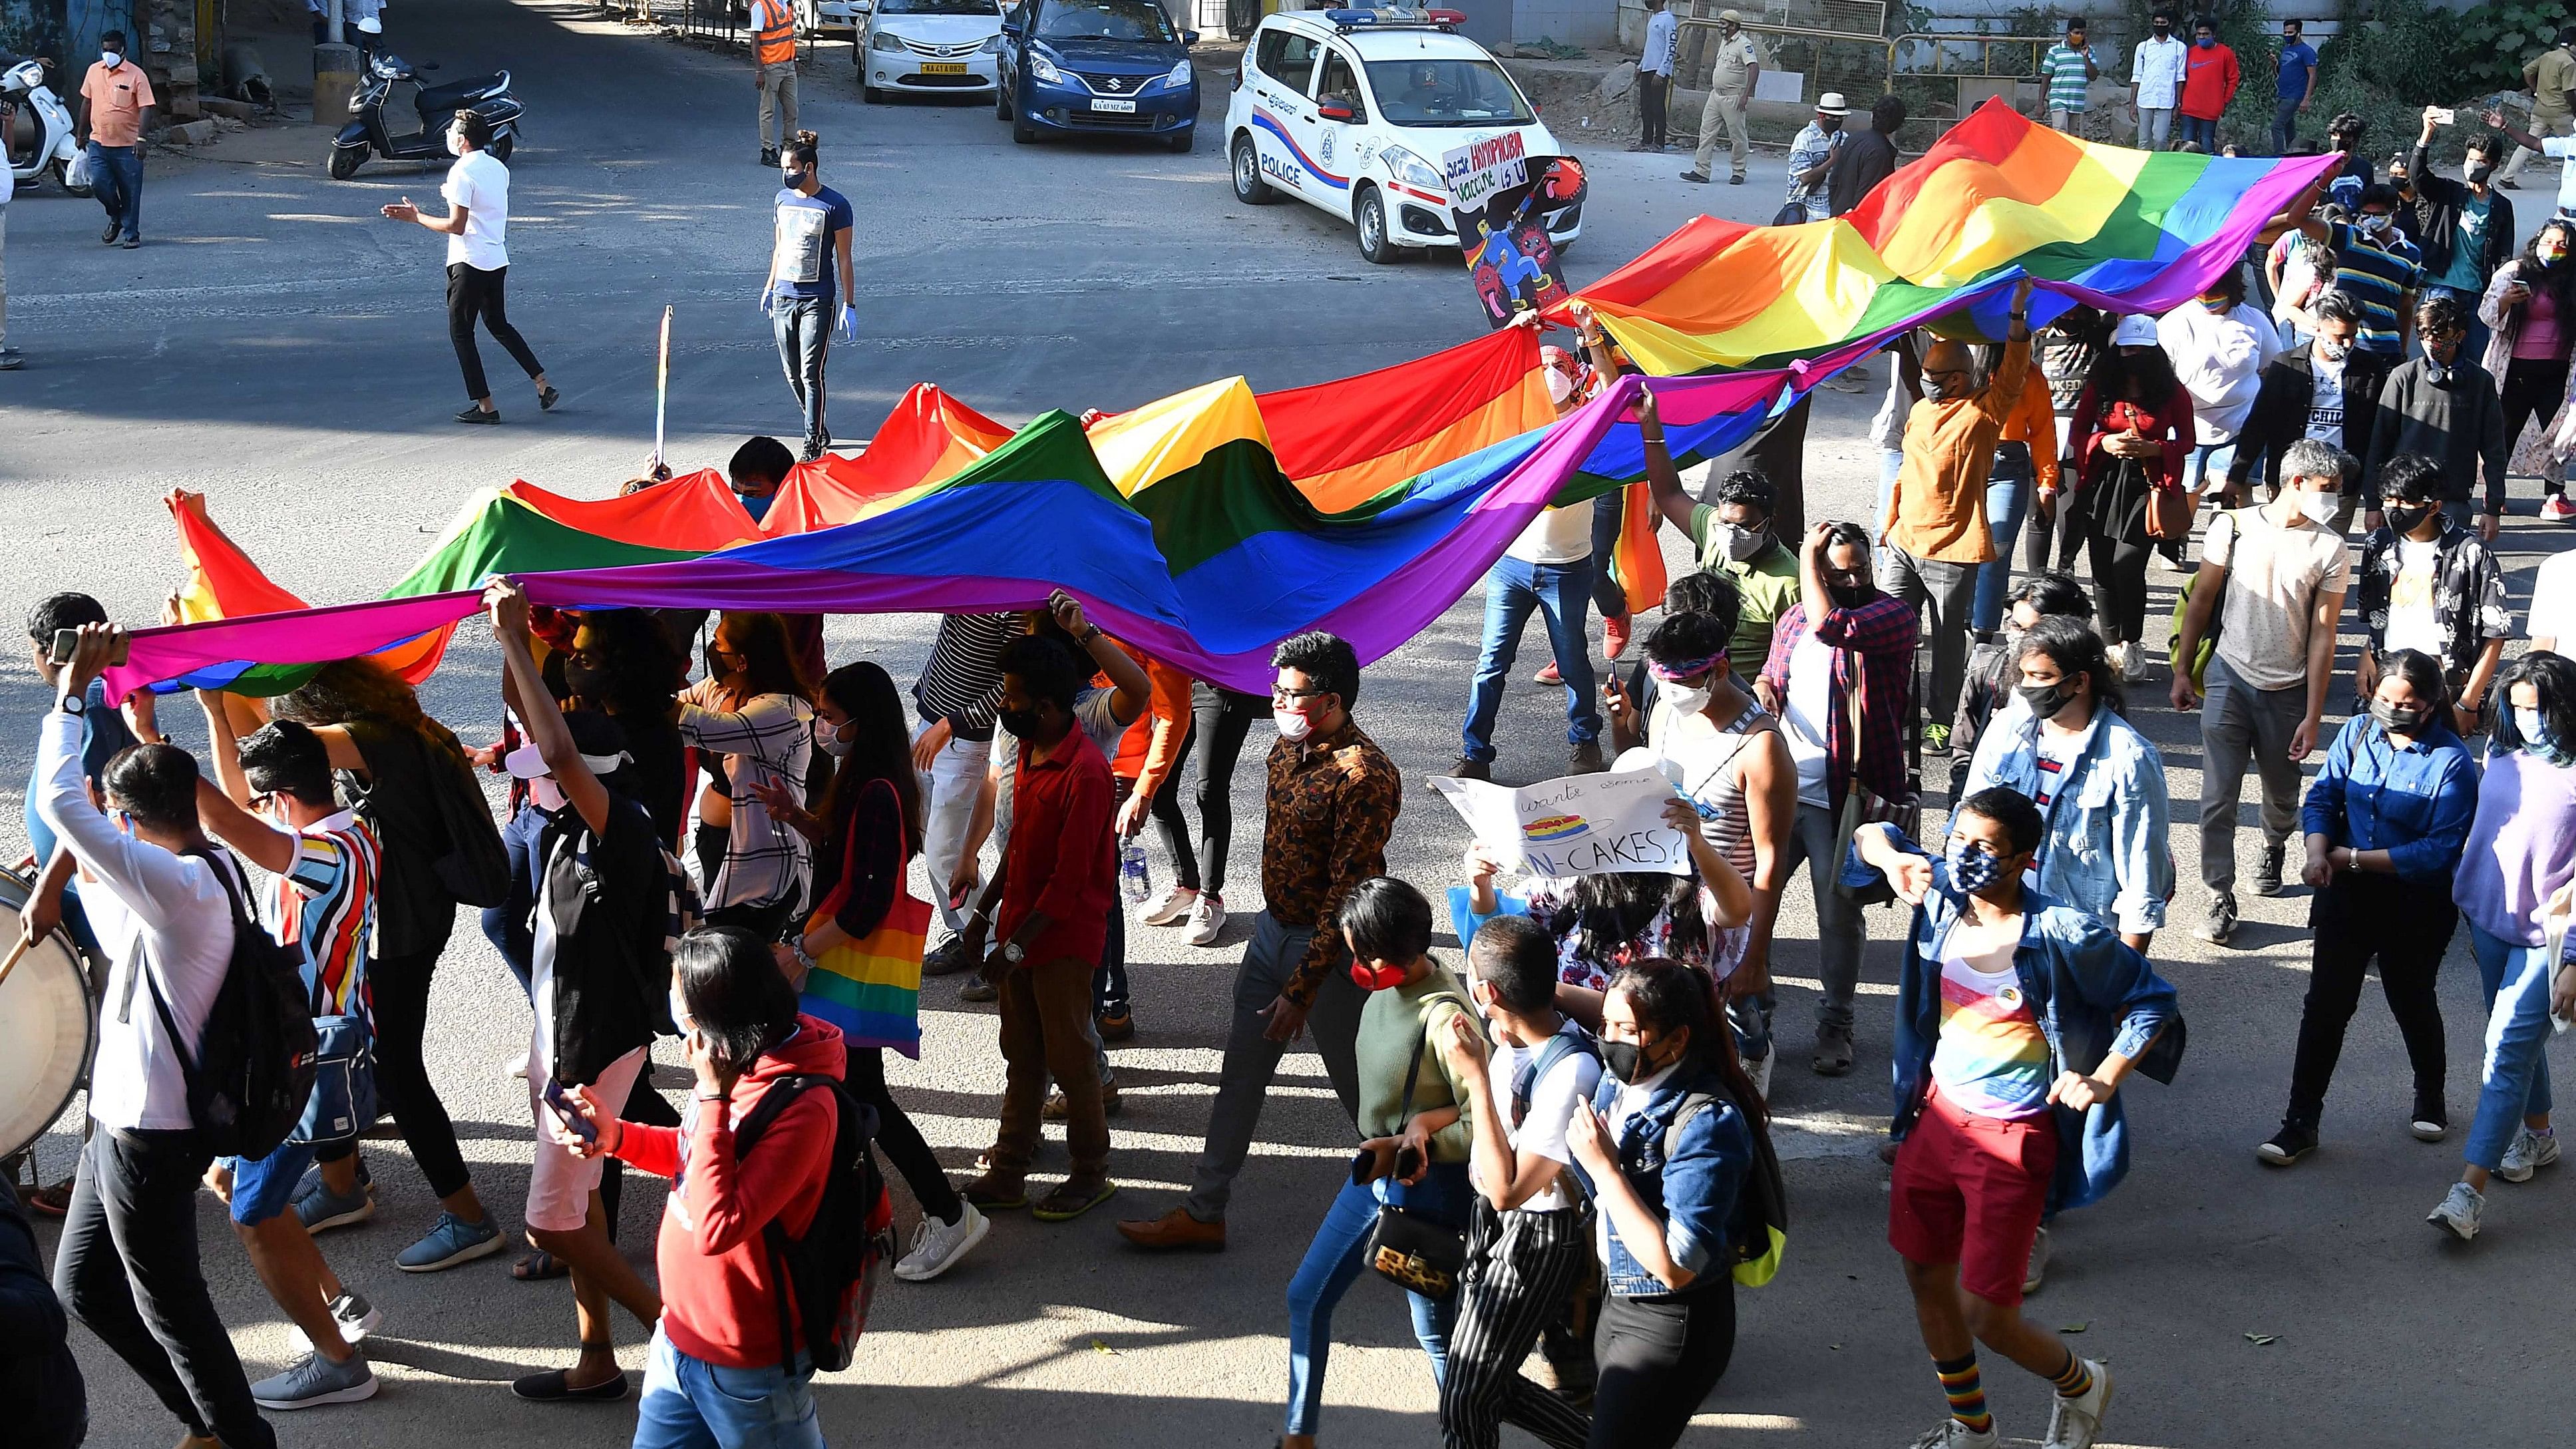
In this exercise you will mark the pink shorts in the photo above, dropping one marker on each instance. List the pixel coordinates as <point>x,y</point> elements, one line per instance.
<point>1970,1190</point>
<point>560,1184</point>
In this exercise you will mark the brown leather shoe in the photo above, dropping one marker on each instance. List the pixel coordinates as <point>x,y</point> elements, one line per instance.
<point>1173,1230</point>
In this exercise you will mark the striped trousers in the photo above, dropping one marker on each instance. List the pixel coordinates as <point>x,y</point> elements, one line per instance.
<point>1521,1267</point>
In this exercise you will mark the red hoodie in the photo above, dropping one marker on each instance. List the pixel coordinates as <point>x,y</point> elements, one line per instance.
<point>719,1293</point>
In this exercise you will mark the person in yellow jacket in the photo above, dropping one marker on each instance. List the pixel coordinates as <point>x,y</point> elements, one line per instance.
<point>773,72</point>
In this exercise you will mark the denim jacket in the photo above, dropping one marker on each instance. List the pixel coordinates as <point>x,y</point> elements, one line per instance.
<point>1693,1192</point>
<point>2093,995</point>
<point>2106,815</point>
<point>2415,803</point>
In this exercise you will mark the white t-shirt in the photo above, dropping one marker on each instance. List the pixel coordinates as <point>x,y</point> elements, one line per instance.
<point>481,185</point>
<point>2562,148</point>
<point>2219,359</point>
<point>1661,29</point>
<point>1556,536</point>
<point>1804,714</point>
<point>1551,1106</point>
<point>2325,402</point>
<point>2410,598</point>
<point>2553,602</point>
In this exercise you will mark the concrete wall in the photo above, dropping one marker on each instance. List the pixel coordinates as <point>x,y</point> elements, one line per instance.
<point>64,30</point>
<point>1567,22</point>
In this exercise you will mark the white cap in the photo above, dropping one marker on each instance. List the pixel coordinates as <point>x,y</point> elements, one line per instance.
<point>529,763</point>
<point>372,26</point>
<point>2135,330</point>
<point>1831,104</point>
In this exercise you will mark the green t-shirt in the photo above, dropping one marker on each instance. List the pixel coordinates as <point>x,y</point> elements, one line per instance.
<point>1767,584</point>
<point>2068,88</point>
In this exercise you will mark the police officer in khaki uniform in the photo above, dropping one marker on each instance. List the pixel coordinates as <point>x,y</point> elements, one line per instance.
<point>1730,90</point>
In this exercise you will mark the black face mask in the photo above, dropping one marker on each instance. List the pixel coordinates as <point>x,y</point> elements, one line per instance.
<point>1022,723</point>
<point>586,683</point>
<point>1626,1060</point>
<point>2406,520</point>
<point>2403,721</point>
<point>2047,700</point>
<point>1848,596</point>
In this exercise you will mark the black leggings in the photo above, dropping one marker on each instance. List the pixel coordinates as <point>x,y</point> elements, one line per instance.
<point>398,990</point>
<point>1659,1358</point>
<point>900,1141</point>
<point>1220,718</point>
<point>2406,925</point>
<point>474,293</point>
<point>2533,389</point>
<point>2116,541</point>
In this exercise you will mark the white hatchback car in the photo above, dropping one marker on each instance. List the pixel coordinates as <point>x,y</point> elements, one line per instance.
<point>1352,111</point>
<point>929,47</point>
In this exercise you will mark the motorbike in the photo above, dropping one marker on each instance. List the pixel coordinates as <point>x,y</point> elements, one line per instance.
<point>366,135</point>
<point>28,104</point>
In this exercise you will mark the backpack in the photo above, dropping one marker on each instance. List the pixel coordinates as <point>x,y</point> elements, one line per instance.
<point>1556,1049</point>
<point>2217,613</point>
<point>1759,1232</point>
<point>253,1068</point>
<point>475,867</point>
<point>830,1274</point>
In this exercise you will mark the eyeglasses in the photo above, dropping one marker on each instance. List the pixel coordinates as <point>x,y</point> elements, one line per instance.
<point>1278,693</point>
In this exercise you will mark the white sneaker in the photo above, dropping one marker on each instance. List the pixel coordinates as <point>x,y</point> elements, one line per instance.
<point>1175,903</point>
<point>1207,918</point>
<point>2459,1213</point>
<point>2075,1422</point>
<point>936,1246</point>
<point>1954,1435</point>
<point>2530,1152</point>
<point>2133,662</point>
<point>1762,1073</point>
<point>2033,1275</point>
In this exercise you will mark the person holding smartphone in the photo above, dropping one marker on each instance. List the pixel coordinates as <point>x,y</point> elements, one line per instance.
<point>601,911</point>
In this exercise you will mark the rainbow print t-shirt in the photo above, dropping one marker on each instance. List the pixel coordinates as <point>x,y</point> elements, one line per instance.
<point>1992,1059</point>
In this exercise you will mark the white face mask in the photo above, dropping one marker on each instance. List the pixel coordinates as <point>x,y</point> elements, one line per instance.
<point>111,59</point>
<point>2375,222</point>
<point>546,795</point>
<point>455,144</point>
<point>1293,727</point>
<point>680,1013</point>
<point>2319,507</point>
<point>835,743</point>
<point>1686,700</point>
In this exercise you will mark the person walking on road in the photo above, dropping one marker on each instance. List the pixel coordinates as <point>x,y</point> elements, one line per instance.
<point>812,246</point>
<point>477,226</point>
<point>2550,78</point>
<point>773,74</point>
<point>2295,85</point>
<point>1730,89</point>
<point>115,106</point>
<point>1655,77</point>
<point>2156,72</point>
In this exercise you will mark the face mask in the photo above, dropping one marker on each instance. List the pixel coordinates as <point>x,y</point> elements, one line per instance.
<point>585,682</point>
<point>1376,978</point>
<point>1972,866</point>
<point>2477,175</point>
<point>111,59</point>
<point>1022,723</point>
<point>835,743</point>
<point>2406,520</point>
<point>2375,222</point>
<point>2162,31</point>
<point>1684,698</point>
<point>1626,1060</point>
<point>2047,700</point>
<point>792,180</point>
<point>2404,721</point>
<point>546,795</point>
<point>455,144</point>
<point>1293,727</point>
<point>1936,390</point>
<point>2536,739</point>
<point>2204,41</point>
<point>2332,351</point>
<point>680,1013</point>
<point>1848,596</point>
<point>2319,508</point>
<point>2218,305</point>
<point>1743,543</point>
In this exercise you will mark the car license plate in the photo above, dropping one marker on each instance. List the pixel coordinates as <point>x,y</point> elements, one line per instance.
<point>1123,107</point>
<point>943,67</point>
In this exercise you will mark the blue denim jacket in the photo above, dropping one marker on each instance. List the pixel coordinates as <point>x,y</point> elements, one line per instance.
<point>2415,803</point>
<point>2106,816</point>
<point>1693,1192</point>
<point>2093,994</point>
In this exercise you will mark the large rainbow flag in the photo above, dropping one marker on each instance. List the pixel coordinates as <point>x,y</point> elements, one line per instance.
<point>1206,526</point>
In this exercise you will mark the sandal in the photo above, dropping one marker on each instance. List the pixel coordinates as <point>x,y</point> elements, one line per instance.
<point>554,1386</point>
<point>546,397</point>
<point>537,1267</point>
<point>1072,1200</point>
<point>992,1191</point>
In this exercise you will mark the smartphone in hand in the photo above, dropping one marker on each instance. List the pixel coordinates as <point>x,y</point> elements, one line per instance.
<point>563,1105</point>
<point>68,640</point>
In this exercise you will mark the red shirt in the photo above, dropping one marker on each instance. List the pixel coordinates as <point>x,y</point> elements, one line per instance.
<point>2209,80</point>
<point>1059,860</point>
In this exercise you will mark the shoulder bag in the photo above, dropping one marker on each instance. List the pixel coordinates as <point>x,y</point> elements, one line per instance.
<point>1409,1249</point>
<point>1859,807</point>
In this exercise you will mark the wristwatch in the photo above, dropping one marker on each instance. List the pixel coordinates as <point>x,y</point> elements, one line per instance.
<point>1014,953</point>
<point>73,704</point>
<point>1089,633</point>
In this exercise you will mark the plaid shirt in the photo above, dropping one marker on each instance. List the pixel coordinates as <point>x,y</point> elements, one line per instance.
<point>2468,595</point>
<point>1873,644</point>
<point>1331,803</point>
<point>769,740</point>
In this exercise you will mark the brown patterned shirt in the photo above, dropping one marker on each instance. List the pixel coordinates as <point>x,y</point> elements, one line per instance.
<point>1332,803</point>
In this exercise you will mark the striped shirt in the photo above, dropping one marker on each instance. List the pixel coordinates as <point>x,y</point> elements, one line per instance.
<point>326,901</point>
<point>769,740</point>
<point>962,683</point>
<point>2377,272</point>
<point>2068,87</point>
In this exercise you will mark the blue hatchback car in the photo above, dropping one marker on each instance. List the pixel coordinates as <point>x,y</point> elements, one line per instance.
<point>1097,67</point>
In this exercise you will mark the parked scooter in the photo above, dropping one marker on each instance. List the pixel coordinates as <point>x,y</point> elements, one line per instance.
<point>30,113</point>
<point>365,134</point>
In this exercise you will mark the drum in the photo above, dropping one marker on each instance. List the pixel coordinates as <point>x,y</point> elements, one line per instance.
<point>48,1026</point>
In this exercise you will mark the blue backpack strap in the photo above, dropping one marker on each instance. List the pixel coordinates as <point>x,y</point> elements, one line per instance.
<point>1557,1048</point>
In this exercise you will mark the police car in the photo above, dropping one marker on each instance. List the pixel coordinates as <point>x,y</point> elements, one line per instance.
<point>1354,111</point>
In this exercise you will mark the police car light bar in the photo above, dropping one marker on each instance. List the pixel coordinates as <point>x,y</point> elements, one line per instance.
<point>1346,20</point>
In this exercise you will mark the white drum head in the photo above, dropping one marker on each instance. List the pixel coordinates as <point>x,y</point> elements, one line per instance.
<point>48,1028</point>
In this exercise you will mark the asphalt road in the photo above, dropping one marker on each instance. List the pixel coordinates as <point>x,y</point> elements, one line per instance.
<point>279,347</point>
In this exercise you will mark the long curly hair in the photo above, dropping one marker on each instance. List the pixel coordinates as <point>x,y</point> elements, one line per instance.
<point>1606,914</point>
<point>2558,281</point>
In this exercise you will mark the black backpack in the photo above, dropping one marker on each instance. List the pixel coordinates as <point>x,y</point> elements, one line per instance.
<point>252,1070</point>
<point>1759,1235</point>
<point>831,1273</point>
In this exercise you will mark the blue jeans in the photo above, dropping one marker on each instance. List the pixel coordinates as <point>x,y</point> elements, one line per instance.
<point>1608,512</point>
<point>509,925</point>
<point>803,326</point>
<point>692,1404</point>
<point>2476,345</point>
<point>2008,492</point>
<point>1563,594</point>
<point>116,179</point>
<point>2285,126</point>
<point>2516,1074</point>
<point>2208,463</point>
<point>1334,1259</point>
<point>1891,461</point>
<point>2200,131</point>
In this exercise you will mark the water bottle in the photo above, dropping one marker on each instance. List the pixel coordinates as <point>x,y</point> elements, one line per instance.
<point>1132,876</point>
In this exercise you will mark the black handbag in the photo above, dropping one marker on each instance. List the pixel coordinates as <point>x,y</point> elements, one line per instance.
<point>1408,1249</point>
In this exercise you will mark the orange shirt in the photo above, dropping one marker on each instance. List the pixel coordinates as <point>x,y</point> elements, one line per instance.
<point>1152,745</point>
<point>117,100</point>
<point>2034,421</point>
<point>1938,509</point>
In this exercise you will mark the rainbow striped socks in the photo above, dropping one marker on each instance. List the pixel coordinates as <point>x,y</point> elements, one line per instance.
<point>2075,1381</point>
<point>1967,1393</point>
